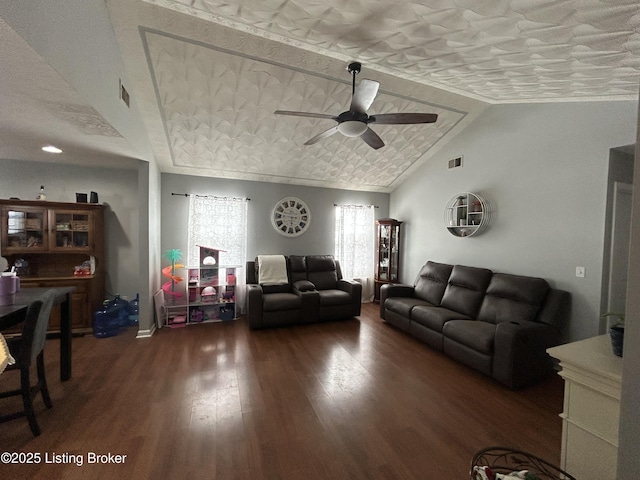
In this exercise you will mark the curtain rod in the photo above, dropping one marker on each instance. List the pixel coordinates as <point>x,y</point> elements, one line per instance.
<point>352,205</point>
<point>208,196</point>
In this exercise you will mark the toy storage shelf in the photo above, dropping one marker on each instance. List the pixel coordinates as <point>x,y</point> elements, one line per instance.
<point>206,294</point>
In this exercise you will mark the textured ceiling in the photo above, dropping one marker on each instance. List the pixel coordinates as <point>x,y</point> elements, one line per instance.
<point>206,76</point>
<point>221,68</point>
<point>498,50</point>
<point>218,114</point>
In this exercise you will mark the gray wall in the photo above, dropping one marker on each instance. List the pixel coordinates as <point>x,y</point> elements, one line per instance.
<point>262,238</point>
<point>543,168</point>
<point>117,189</point>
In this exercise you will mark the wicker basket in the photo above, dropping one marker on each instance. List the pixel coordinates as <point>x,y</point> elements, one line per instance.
<point>506,460</point>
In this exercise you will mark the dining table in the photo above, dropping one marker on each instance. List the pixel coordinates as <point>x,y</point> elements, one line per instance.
<point>12,315</point>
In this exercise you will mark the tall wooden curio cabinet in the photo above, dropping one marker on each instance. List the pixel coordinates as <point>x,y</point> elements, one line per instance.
<point>387,269</point>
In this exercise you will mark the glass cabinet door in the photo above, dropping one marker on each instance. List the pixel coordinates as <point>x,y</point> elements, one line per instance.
<point>387,269</point>
<point>394,253</point>
<point>71,230</point>
<point>384,234</point>
<point>388,250</point>
<point>24,229</point>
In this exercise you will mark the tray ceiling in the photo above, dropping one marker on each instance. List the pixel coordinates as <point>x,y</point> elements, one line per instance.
<point>207,75</point>
<point>220,69</point>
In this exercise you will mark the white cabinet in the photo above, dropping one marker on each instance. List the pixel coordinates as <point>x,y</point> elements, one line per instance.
<point>590,417</point>
<point>467,214</point>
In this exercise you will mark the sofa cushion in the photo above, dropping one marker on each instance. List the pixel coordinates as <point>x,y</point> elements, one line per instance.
<point>297,268</point>
<point>403,305</point>
<point>434,317</point>
<point>478,336</point>
<point>432,282</point>
<point>321,271</point>
<point>512,297</point>
<point>465,289</point>
<point>334,297</point>
<point>280,301</point>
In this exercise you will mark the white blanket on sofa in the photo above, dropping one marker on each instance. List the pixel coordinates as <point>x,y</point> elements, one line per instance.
<point>272,270</point>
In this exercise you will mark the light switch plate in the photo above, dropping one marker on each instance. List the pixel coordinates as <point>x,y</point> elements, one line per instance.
<point>580,272</point>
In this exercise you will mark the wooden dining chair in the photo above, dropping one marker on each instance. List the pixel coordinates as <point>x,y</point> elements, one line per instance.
<point>28,351</point>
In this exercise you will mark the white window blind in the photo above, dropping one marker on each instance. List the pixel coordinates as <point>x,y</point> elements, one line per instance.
<point>354,244</point>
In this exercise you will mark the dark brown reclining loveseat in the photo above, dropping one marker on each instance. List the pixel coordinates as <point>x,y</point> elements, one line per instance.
<point>496,323</point>
<point>315,292</point>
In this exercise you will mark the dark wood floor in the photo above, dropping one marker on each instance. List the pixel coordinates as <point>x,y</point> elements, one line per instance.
<point>356,399</point>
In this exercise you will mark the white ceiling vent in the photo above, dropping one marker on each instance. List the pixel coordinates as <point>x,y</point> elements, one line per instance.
<point>455,162</point>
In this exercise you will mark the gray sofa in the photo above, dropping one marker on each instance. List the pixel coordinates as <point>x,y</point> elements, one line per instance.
<point>315,292</point>
<point>496,323</point>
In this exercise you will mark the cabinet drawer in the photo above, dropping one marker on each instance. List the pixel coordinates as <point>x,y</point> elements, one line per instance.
<point>594,411</point>
<point>80,303</point>
<point>589,457</point>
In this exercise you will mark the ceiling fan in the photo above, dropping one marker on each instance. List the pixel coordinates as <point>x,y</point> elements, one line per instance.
<point>355,121</point>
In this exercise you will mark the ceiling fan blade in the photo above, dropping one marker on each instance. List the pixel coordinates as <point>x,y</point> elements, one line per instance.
<point>305,114</point>
<point>372,139</point>
<point>403,118</point>
<point>320,136</point>
<point>364,96</point>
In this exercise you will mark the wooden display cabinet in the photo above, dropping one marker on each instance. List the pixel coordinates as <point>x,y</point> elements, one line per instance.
<point>387,268</point>
<point>51,239</point>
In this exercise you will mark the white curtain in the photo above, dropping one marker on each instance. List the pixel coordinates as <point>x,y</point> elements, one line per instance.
<point>220,222</point>
<point>354,244</point>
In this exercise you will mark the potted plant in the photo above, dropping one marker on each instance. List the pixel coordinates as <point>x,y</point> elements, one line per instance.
<point>616,331</point>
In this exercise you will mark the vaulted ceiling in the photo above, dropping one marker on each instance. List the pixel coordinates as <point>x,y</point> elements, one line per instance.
<point>207,76</point>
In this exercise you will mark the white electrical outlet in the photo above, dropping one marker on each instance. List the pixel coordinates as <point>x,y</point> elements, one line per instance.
<point>580,272</point>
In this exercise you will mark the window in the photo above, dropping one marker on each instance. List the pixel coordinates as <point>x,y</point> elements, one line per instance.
<point>354,244</point>
<point>219,222</point>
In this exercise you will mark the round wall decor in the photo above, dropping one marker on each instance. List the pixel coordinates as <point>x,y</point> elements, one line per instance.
<point>291,217</point>
<point>467,214</point>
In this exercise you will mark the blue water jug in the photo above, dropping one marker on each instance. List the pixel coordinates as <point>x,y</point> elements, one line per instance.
<point>105,321</point>
<point>134,310</point>
<point>121,307</point>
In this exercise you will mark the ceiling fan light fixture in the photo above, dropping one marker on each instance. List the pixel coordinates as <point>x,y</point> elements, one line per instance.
<point>51,149</point>
<point>352,128</point>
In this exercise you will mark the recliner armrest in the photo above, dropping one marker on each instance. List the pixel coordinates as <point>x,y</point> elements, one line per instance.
<point>354,289</point>
<point>394,290</point>
<point>520,356</point>
<point>349,286</point>
<point>254,305</point>
<point>303,286</point>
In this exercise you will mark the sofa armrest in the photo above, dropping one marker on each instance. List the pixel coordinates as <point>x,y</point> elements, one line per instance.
<point>354,289</point>
<point>520,356</point>
<point>394,290</point>
<point>309,300</point>
<point>254,306</point>
<point>303,286</point>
